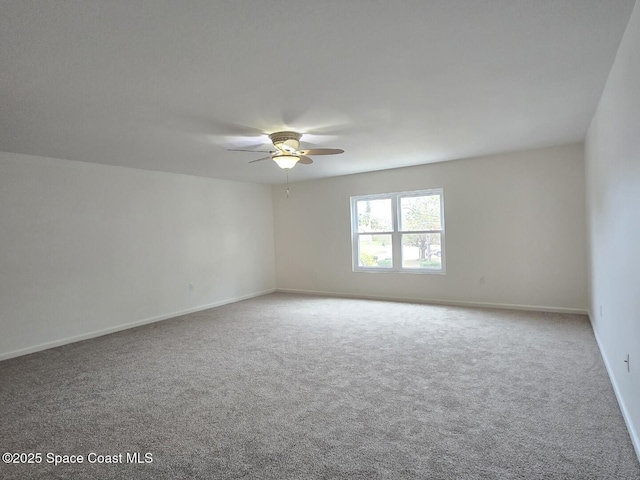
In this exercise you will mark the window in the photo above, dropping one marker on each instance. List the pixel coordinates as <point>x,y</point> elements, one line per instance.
<point>398,232</point>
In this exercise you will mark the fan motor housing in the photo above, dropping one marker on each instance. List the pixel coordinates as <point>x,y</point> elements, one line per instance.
<point>282,137</point>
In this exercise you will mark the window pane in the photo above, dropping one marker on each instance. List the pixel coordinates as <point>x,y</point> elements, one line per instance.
<point>421,251</point>
<point>375,251</point>
<point>374,215</point>
<point>420,213</point>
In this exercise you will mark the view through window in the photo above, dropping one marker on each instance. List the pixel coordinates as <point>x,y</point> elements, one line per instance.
<point>399,232</point>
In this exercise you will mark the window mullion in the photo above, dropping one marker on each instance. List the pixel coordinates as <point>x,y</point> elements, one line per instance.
<point>397,236</point>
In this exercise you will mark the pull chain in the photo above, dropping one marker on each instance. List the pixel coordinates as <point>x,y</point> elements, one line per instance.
<point>287,171</point>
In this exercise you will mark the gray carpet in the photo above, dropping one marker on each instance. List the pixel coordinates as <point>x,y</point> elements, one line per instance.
<point>301,387</point>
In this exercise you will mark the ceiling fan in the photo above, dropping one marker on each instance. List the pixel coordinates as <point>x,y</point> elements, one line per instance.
<point>287,151</point>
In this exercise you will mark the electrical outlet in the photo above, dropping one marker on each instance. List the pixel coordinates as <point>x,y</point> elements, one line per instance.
<point>482,280</point>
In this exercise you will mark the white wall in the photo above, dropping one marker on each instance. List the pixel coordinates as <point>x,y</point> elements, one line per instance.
<point>88,248</point>
<point>613,208</point>
<point>517,219</point>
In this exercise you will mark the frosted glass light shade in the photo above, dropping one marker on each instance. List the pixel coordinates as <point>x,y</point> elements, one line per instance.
<point>286,161</point>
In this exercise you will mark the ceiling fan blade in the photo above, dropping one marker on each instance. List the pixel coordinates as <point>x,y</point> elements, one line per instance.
<point>260,159</point>
<point>321,151</point>
<point>247,150</point>
<point>244,143</point>
<point>305,160</point>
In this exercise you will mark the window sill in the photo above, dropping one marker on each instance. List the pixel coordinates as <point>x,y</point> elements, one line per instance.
<point>412,271</point>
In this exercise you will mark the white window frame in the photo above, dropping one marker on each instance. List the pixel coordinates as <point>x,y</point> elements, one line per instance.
<point>396,233</point>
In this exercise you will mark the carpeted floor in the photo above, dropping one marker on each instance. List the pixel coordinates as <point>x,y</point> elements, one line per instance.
<point>299,387</point>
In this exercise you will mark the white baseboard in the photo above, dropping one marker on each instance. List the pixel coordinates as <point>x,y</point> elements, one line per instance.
<point>635,438</point>
<point>433,301</point>
<point>125,326</point>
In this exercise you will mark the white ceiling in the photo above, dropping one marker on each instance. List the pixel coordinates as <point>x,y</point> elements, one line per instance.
<point>170,85</point>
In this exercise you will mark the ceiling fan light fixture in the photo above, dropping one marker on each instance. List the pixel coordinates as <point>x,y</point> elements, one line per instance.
<point>286,161</point>
<point>287,151</point>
